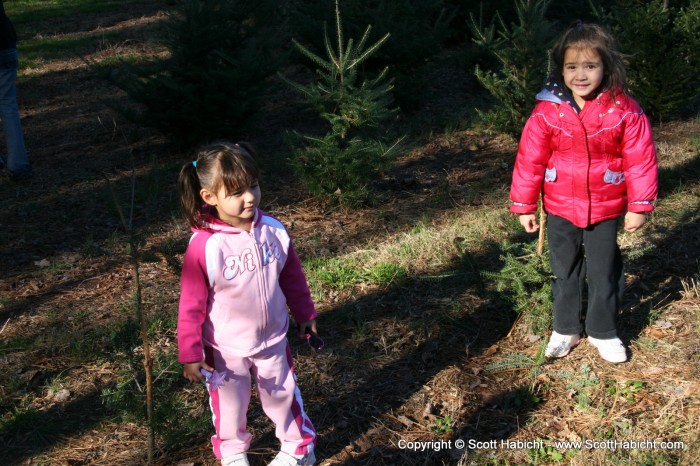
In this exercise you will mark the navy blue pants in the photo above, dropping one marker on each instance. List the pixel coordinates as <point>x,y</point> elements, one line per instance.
<point>585,260</point>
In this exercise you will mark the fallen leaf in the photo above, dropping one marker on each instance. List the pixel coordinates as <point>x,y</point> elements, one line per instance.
<point>428,409</point>
<point>42,263</point>
<point>653,370</point>
<point>405,421</point>
<point>690,389</point>
<point>363,443</point>
<point>663,324</point>
<point>62,395</point>
<point>487,396</point>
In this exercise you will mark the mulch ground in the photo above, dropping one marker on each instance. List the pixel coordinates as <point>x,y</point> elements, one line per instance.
<point>398,360</point>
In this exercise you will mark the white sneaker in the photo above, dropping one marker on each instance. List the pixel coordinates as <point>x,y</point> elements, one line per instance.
<point>285,459</point>
<point>239,459</point>
<point>559,345</point>
<point>611,349</point>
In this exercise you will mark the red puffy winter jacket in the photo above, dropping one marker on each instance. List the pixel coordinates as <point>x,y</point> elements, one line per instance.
<point>592,166</point>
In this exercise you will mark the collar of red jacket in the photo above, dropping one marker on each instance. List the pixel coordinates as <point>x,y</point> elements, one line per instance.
<point>555,86</point>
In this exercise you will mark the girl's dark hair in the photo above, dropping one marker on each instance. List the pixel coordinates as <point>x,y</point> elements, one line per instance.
<point>589,35</point>
<point>219,164</point>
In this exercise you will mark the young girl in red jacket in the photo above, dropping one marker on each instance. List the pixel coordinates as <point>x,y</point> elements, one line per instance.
<point>588,148</point>
<point>239,276</point>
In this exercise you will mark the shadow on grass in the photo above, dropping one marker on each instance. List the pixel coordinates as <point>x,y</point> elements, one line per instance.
<point>439,317</point>
<point>672,254</point>
<point>384,389</point>
<point>36,431</point>
<point>372,371</point>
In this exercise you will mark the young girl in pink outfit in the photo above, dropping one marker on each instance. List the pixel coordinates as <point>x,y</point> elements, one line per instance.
<point>588,148</point>
<point>239,276</point>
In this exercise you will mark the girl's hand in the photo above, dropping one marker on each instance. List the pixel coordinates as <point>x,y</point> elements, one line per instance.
<point>529,222</point>
<point>301,331</point>
<point>634,221</point>
<point>191,371</point>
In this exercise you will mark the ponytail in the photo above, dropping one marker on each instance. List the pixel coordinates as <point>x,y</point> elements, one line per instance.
<point>190,199</point>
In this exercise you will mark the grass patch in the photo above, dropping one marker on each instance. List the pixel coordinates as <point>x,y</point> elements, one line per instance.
<point>37,51</point>
<point>31,12</point>
<point>16,344</point>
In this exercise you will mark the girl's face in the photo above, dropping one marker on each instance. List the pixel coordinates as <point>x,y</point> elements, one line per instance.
<point>237,209</point>
<point>583,73</point>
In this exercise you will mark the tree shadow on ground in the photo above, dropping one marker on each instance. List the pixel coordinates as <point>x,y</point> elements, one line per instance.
<point>385,389</point>
<point>670,255</point>
<point>374,372</point>
<point>440,317</point>
<point>67,207</point>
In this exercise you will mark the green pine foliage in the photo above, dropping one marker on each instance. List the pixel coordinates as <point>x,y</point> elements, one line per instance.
<point>663,49</point>
<point>419,31</point>
<point>340,164</point>
<point>520,50</point>
<point>173,417</point>
<point>222,51</point>
<point>513,361</point>
<point>525,280</point>
<point>687,25</point>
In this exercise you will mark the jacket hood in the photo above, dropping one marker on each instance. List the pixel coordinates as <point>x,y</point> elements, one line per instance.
<point>555,91</point>
<point>213,224</point>
<point>548,96</point>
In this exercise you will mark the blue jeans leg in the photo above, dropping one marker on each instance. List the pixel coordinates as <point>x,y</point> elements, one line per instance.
<point>17,160</point>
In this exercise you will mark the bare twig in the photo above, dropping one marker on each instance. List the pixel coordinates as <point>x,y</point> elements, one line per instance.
<point>3,327</point>
<point>543,224</point>
<point>147,361</point>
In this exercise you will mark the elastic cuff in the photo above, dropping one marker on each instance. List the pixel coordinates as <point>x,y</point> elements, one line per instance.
<point>602,335</point>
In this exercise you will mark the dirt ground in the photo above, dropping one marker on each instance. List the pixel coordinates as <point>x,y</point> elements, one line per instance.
<point>391,370</point>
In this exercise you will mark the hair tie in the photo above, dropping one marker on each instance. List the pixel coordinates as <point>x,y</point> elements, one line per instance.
<point>194,163</point>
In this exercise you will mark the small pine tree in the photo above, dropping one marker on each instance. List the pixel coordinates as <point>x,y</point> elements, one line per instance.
<point>340,163</point>
<point>419,30</point>
<point>687,25</point>
<point>520,49</point>
<point>525,280</point>
<point>662,46</point>
<point>221,51</point>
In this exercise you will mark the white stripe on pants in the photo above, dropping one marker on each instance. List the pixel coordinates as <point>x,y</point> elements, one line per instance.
<point>280,398</point>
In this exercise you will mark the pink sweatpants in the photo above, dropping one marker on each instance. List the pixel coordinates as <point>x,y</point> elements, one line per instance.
<point>273,370</point>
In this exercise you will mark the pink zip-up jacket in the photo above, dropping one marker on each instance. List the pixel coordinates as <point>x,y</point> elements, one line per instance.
<point>236,287</point>
<point>591,166</point>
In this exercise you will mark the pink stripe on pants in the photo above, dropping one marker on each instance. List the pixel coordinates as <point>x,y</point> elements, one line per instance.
<point>280,398</point>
